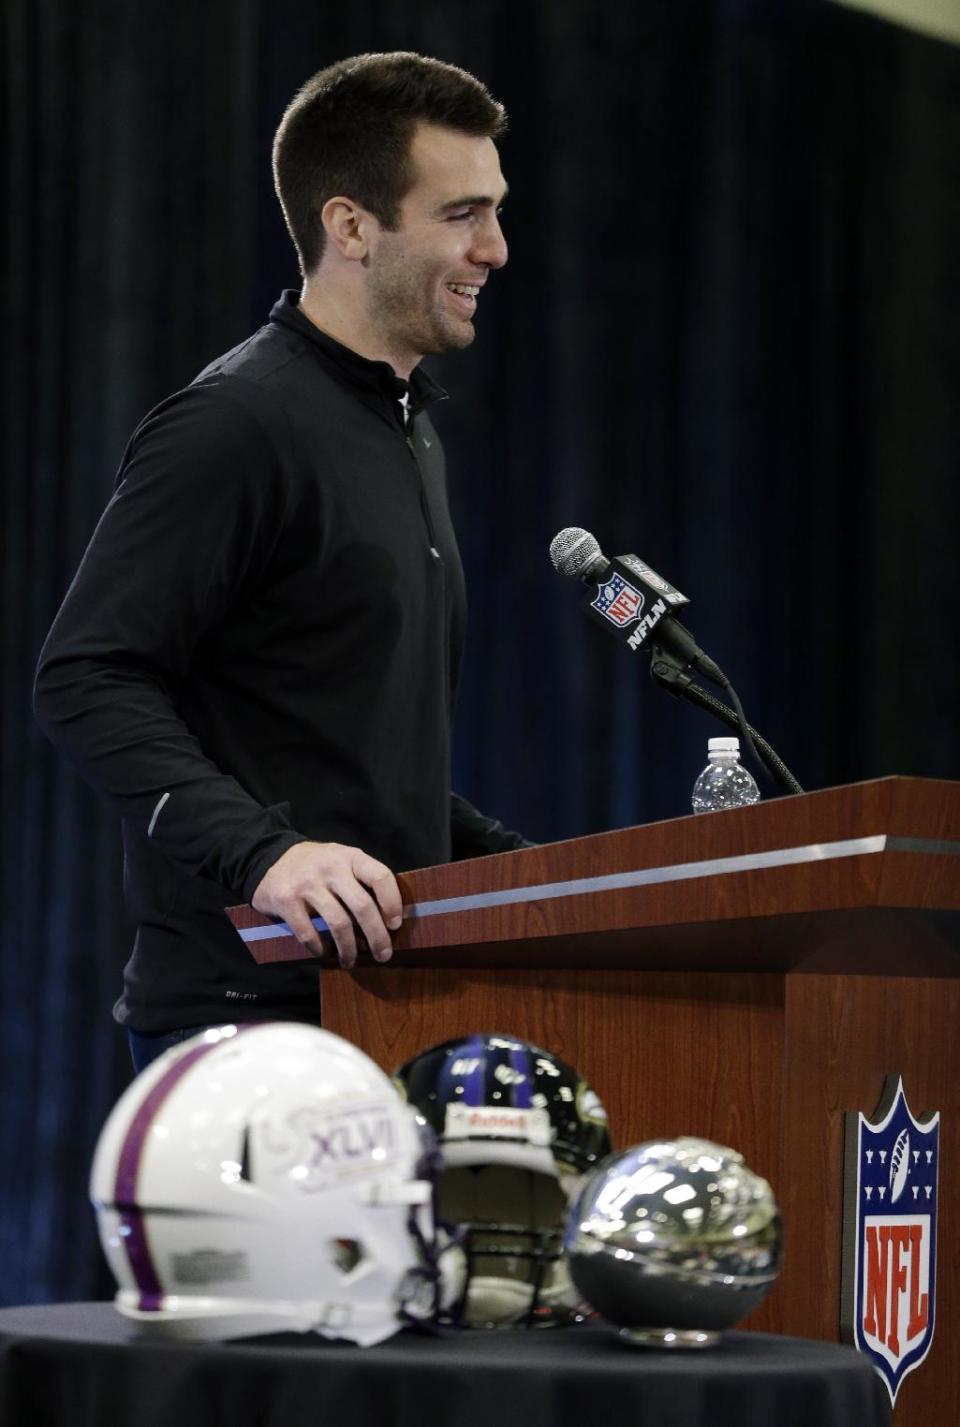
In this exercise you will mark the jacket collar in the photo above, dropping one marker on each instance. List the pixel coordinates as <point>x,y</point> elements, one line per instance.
<point>369,378</point>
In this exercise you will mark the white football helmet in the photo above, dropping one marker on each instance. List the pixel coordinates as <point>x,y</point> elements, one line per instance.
<point>262,1178</point>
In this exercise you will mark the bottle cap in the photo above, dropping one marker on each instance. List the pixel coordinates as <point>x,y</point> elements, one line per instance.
<point>723,745</point>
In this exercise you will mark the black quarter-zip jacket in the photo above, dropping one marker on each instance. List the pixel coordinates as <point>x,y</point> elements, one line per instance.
<point>262,646</point>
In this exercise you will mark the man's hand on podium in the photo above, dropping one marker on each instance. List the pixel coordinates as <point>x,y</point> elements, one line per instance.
<point>341,884</point>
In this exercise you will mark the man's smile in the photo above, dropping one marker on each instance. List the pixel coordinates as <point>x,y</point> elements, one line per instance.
<point>465,296</point>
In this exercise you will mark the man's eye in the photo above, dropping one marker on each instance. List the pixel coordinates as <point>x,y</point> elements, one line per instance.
<point>458,217</point>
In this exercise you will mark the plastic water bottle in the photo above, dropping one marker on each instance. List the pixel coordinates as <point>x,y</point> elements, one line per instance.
<point>724,783</point>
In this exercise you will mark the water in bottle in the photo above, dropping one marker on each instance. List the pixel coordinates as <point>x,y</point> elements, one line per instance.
<point>724,783</point>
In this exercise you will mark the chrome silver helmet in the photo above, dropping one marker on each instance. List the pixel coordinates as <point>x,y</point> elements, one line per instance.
<point>673,1241</point>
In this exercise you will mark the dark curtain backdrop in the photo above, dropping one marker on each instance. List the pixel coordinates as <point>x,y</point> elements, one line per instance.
<point>727,339</point>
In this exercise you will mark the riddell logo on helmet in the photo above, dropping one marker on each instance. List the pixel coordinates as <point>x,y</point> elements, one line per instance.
<point>477,1121</point>
<point>497,1120</point>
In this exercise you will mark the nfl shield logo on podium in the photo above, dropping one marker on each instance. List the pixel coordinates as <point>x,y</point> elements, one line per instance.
<point>890,1234</point>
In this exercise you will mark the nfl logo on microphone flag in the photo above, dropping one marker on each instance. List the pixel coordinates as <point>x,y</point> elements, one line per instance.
<point>890,1234</point>
<point>617,600</point>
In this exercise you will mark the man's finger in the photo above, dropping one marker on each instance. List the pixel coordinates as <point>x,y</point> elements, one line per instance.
<point>366,913</point>
<point>383,885</point>
<point>298,920</point>
<point>340,922</point>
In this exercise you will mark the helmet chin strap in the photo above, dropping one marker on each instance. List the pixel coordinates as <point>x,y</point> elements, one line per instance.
<point>433,1294</point>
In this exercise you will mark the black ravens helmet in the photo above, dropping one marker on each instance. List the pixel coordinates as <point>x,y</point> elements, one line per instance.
<point>518,1129</point>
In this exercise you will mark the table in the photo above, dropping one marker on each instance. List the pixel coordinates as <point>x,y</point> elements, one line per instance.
<point>81,1365</point>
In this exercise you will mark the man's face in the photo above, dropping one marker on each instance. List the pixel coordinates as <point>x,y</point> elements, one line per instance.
<point>424,279</point>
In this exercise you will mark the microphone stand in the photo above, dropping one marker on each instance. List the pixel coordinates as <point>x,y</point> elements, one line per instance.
<point>668,670</point>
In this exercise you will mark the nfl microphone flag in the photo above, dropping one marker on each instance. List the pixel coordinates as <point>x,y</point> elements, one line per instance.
<point>631,600</point>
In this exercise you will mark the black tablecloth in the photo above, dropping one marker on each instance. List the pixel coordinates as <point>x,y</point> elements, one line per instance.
<point>81,1365</point>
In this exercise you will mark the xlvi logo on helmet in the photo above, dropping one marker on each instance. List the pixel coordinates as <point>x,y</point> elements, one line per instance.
<point>890,1234</point>
<point>317,1146</point>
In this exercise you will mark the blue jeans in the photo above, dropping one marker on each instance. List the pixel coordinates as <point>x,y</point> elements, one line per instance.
<point>145,1048</point>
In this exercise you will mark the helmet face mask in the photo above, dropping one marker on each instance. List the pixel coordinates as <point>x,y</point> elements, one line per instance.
<point>266,1179</point>
<point>518,1129</point>
<point>510,1219</point>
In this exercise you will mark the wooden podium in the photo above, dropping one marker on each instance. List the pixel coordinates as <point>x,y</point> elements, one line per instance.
<point>747,976</point>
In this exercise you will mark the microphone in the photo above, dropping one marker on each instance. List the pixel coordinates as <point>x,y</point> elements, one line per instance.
<point>577,553</point>
<point>633,603</point>
<point>629,599</point>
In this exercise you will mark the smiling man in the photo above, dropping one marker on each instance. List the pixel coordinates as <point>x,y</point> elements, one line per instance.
<point>257,661</point>
<point>399,292</point>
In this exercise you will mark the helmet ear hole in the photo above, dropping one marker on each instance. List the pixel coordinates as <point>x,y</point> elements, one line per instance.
<point>346,1254</point>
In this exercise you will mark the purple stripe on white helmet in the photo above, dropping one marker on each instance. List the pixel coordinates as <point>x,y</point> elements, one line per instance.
<point>129,1163</point>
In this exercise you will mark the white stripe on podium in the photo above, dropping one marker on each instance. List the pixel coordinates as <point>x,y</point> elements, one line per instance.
<point>646,877</point>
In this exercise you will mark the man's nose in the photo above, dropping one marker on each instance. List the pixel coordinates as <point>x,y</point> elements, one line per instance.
<point>490,247</point>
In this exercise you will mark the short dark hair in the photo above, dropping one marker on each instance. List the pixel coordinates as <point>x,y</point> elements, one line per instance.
<point>349,130</point>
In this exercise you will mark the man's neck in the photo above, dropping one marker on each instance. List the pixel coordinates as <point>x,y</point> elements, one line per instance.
<point>335,315</point>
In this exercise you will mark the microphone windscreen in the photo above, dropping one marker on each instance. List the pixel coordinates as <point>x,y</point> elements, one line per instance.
<point>572,550</point>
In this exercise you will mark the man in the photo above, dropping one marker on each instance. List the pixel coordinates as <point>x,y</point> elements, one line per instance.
<point>257,661</point>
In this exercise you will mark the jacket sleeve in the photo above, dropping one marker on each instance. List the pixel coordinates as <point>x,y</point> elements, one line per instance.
<point>474,835</point>
<point>195,511</point>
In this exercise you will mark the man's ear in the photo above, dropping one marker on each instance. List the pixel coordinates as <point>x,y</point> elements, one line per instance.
<point>348,228</point>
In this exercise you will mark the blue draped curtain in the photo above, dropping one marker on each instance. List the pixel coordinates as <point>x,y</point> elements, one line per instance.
<point>726,340</point>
